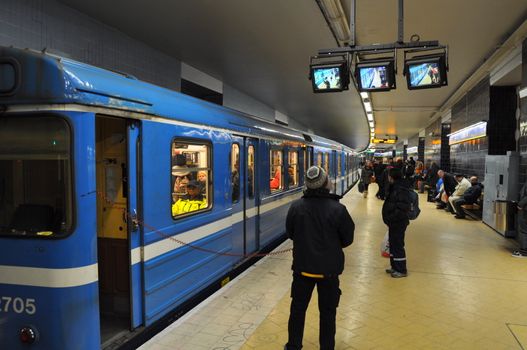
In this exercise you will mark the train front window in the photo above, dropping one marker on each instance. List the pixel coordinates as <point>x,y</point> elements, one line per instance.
<point>35,177</point>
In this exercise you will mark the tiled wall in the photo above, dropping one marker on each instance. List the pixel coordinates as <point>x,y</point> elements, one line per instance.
<point>444,163</point>
<point>421,149</point>
<point>432,151</point>
<point>48,24</point>
<point>468,158</point>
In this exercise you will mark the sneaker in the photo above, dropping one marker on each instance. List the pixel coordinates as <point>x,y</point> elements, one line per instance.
<point>397,274</point>
<point>389,270</point>
<point>459,217</point>
<point>519,254</point>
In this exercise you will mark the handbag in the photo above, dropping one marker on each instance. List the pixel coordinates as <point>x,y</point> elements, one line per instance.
<point>361,186</point>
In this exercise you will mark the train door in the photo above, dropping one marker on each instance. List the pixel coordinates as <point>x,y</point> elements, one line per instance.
<point>116,150</point>
<point>250,196</point>
<point>244,198</point>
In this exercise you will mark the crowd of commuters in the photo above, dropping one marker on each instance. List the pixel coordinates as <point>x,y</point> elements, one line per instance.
<point>321,227</point>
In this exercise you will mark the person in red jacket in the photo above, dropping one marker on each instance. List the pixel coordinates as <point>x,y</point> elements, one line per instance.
<point>320,227</point>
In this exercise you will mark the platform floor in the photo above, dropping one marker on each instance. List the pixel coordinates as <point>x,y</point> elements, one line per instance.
<point>463,291</point>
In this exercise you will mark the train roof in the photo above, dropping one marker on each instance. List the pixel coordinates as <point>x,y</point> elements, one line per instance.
<point>48,79</point>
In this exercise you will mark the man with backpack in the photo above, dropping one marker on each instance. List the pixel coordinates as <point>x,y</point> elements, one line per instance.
<point>401,205</point>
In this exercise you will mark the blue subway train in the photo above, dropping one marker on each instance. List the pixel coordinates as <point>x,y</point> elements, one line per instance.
<point>121,201</point>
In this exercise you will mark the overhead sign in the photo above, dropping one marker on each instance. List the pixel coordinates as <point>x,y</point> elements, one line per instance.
<point>388,141</point>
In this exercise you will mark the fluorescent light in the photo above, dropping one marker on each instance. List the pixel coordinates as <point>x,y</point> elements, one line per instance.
<point>367,106</point>
<point>370,117</point>
<point>372,124</point>
<point>372,130</point>
<point>364,95</point>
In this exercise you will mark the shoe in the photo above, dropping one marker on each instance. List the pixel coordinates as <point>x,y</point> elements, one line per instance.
<point>440,207</point>
<point>459,217</point>
<point>397,274</point>
<point>519,254</point>
<point>389,270</point>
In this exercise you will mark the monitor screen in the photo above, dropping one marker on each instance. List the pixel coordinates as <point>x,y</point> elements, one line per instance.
<point>425,73</point>
<point>327,78</point>
<point>375,76</point>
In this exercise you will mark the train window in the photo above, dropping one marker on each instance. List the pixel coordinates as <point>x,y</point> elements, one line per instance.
<point>319,159</point>
<point>326,162</point>
<point>276,170</point>
<point>191,177</point>
<point>292,169</point>
<point>235,172</point>
<point>35,177</point>
<point>250,170</point>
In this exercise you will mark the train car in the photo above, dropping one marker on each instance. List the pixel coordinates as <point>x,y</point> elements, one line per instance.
<point>121,201</point>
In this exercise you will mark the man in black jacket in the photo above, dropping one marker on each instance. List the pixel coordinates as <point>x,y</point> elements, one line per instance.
<point>320,227</point>
<point>469,197</point>
<point>449,186</point>
<point>395,215</point>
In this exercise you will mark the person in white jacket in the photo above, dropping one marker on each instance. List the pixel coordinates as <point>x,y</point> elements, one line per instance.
<point>462,185</point>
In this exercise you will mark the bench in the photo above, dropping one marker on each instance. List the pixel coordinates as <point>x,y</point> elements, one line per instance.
<point>475,211</point>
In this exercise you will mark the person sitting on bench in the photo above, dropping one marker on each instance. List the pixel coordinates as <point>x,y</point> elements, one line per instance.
<point>470,196</point>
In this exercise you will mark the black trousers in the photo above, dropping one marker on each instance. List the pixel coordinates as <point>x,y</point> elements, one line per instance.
<point>328,300</point>
<point>457,205</point>
<point>396,233</point>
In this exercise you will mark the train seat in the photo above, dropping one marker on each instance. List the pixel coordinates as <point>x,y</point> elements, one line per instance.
<point>33,217</point>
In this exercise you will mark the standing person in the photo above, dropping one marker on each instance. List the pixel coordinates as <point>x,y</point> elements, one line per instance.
<point>366,176</point>
<point>320,227</point>
<point>394,214</point>
<point>522,224</point>
<point>378,178</point>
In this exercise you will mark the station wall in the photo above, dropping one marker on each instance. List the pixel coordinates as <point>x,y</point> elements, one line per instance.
<point>50,25</point>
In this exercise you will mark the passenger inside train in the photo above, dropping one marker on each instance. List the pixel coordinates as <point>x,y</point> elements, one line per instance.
<point>192,201</point>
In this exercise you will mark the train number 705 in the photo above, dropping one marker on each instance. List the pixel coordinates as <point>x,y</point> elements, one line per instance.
<point>18,305</point>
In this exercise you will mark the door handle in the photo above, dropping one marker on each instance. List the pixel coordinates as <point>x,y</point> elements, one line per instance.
<point>134,224</point>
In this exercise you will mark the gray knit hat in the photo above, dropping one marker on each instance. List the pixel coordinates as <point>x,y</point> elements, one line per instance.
<point>316,177</point>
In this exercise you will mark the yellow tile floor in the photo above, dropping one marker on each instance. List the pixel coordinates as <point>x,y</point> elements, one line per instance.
<point>464,291</point>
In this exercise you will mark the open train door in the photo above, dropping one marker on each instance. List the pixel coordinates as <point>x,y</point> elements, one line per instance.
<point>118,233</point>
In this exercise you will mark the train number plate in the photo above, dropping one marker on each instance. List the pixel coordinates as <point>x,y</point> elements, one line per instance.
<point>18,305</point>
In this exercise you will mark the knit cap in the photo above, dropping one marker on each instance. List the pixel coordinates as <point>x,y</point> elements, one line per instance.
<point>316,177</point>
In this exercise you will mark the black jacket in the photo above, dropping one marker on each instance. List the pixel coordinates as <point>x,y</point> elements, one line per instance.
<point>449,183</point>
<point>472,194</point>
<point>397,204</point>
<point>320,227</point>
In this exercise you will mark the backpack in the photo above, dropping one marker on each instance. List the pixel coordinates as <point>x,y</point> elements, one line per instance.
<point>414,211</point>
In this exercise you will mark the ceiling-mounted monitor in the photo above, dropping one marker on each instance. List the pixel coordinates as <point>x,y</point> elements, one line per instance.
<point>330,77</point>
<point>426,72</point>
<point>375,75</point>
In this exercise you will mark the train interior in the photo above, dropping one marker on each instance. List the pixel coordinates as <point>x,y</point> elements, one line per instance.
<point>35,176</point>
<point>112,232</point>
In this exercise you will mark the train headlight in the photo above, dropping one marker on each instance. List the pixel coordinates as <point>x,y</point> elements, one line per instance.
<point>27,335</point>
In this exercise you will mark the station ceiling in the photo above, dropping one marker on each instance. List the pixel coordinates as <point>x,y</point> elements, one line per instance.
<point>262,47</point>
